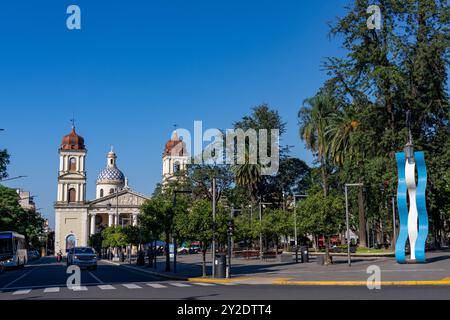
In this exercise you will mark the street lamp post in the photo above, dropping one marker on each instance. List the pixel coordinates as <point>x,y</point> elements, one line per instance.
<point>261,251</point>
<point>349,240</point>
<point>230,234</point>
<point>214,228</point>
<point>15,178</point>
<point>295,223</point>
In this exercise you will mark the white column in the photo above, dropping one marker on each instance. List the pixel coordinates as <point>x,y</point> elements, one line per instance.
<point>82,190</point>
<point>111,219</point>
<point>64,194</point>
<point>135,219</point>
<point>93,224</point>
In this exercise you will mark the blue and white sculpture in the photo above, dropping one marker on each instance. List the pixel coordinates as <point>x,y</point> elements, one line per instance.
<point>413,222</point>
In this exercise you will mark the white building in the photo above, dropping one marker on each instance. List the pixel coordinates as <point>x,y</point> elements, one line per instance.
<point>116,204</point>
<point>76,217</point>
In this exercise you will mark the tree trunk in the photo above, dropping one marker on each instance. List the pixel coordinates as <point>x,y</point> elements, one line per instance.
<point>167,252</point>
<point>362,220</point>
<point>324,178</point>
<point>276,247</point>
<point>327,251</point>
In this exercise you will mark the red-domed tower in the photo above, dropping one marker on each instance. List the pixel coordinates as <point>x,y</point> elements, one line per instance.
<point>72,141</point>
<point>72,169</point>
<point>175,157</point>
<point>70,206</point>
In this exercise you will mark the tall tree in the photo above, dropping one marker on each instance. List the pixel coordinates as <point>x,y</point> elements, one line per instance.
<point>4,161</point>
<point>248,174</point>
<point>313,121</point>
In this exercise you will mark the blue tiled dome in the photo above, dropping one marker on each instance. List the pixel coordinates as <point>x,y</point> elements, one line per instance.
<point>111,174</point>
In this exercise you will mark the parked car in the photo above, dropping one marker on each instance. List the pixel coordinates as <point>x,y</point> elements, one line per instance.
<point>2,267</point>
<point>33,255</point>
<point>194,249</point>
<point>82,257</point>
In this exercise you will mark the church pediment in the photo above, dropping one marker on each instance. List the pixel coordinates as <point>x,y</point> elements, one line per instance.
<point>126,198</point>
<point>71,176</point>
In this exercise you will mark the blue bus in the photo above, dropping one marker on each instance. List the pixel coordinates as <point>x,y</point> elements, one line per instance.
<point>13,250</point>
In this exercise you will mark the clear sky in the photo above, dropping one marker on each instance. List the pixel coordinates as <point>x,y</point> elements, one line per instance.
<point>138,67</point>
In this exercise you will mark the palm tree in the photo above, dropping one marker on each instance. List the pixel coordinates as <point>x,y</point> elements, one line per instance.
<point>248,175</point>
<point>343,148</point>
<point>313,120</point>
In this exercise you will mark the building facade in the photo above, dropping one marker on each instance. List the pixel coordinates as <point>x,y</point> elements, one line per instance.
<point>115,204</point>
<point>175,158</point>
<point>78,218</point>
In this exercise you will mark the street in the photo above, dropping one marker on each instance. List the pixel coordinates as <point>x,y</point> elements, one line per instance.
<point>46,280</point>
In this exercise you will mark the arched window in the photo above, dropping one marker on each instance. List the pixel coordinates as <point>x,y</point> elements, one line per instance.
<point>102,193</point>
<point>72,195</point>
<point>176,167</point>
<point>111,191</point>
<point>71,242</point>
<point>73,164</point>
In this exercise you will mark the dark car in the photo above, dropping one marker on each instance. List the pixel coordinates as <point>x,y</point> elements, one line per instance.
<point>83,257</point>
<point>33,255</point>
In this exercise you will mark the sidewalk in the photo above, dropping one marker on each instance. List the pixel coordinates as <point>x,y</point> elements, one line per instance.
<point>256,272</point>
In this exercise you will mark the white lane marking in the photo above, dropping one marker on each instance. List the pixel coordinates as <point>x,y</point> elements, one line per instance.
<point>52,290</point>
<point>156,286</point>
<point>21,292</point>
<point>79,289</point>
<point>18,279</point>
<point>96,278</point>
<point>106,287</point>
<point>205,284</point>
<point>132,286</point>
<point>180,285</point>
<point>229,284</point>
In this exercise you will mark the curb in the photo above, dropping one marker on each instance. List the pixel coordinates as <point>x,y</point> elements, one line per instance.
<point>444,282</point>
<point>210,280</point>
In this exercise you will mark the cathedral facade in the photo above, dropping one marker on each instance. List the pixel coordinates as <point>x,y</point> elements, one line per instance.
<point>116,204</point>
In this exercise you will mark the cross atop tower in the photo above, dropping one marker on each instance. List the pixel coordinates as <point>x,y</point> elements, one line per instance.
<point>73,121</point>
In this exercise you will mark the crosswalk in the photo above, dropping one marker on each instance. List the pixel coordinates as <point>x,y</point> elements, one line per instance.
<point>114,287</point>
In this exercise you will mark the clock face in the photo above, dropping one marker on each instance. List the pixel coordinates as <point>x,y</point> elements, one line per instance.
<point>98,220</point>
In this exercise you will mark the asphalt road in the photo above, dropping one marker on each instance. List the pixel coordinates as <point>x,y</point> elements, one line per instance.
<point>46,280</point>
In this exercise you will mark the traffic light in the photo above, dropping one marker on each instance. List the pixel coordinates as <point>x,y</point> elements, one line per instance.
<point>230,228</point>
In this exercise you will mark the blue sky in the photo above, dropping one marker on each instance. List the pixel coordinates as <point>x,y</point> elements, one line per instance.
<point>138,67</point>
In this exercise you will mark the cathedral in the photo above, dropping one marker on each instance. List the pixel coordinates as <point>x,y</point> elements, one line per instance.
<point>115,204</point>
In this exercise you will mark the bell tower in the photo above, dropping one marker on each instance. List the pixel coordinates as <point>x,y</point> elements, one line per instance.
<point>72,169</point>
<point>175,157</point>
<point>71,207</point>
